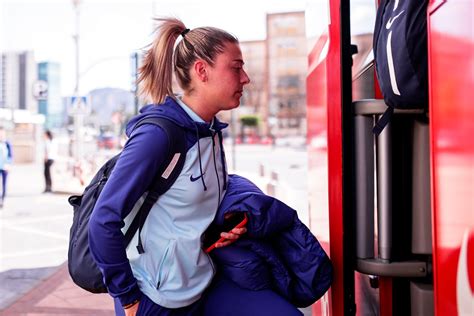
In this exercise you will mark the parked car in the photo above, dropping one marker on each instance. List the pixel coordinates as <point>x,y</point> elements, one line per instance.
<point>107,141</point>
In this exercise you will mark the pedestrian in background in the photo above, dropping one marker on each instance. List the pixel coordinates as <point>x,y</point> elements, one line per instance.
<point>50,152</point>
<point>6,159</point>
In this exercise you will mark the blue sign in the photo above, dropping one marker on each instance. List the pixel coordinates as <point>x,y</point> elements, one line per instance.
<point>82,101</point>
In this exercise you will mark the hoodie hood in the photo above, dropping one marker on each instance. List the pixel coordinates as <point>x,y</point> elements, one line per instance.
<point>172,111</point>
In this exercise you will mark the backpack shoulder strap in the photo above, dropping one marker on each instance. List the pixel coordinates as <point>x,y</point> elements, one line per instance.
<point>175,155</point>
<point>383,121</point>
<point>166,176</point>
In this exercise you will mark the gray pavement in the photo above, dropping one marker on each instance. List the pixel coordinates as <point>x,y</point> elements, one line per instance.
<point>34,230</point>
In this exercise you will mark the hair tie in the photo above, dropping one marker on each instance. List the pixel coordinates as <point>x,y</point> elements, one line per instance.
<point>185,32</point>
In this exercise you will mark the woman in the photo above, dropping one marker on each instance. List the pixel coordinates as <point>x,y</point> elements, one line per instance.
<point>5,162</point>
<point>173,273</point>
<point>174,276</point>
<point>49,157</point>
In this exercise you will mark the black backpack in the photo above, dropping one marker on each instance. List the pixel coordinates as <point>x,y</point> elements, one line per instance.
<point>82,267</point>
<point>401,56</point>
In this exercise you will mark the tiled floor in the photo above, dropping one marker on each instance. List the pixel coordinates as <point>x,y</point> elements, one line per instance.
<point>58,296</point>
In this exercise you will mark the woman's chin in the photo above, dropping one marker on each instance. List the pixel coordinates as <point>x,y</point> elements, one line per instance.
<point>233,105</point>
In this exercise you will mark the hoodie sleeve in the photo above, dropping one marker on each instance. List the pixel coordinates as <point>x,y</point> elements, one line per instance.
<point>134,172</point>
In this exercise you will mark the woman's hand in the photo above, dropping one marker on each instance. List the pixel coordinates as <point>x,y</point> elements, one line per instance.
<point>232,235</point>
<point>132,310</point>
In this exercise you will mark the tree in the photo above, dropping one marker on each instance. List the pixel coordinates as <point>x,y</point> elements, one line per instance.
<point>250,122</point>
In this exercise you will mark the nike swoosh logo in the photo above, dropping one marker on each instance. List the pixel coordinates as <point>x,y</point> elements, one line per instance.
<point>391,20</point>
<point>197,178</point>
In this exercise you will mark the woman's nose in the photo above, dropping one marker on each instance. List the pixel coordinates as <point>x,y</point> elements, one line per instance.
<point>245,78</point>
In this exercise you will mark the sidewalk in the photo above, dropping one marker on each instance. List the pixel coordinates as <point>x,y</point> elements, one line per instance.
<point>33,246</point>
<point>57,295</point>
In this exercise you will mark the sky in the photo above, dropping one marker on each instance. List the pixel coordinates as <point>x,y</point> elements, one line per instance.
<point>110,30</point>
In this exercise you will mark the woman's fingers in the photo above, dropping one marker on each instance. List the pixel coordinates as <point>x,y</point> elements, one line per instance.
<point>239,231</point>
<point>234,233</point>
<point>231,236</point>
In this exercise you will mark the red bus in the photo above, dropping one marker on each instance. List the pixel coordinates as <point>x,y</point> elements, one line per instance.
<point>396,213</point>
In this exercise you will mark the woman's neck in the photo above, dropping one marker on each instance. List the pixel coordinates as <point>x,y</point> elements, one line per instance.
<point>199,106</point>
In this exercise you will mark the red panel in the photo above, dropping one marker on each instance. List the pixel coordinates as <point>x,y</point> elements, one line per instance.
<point>334,133</point>
<point>385,291</point>
<point>317,153</point>
<point>451,51</point>
<point>325,153</point>
<point>316,94</point>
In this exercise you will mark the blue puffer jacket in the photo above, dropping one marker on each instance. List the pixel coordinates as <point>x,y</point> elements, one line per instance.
<point>278,252</point>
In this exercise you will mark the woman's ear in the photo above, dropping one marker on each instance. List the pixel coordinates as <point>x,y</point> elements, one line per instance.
<point>200,68</point>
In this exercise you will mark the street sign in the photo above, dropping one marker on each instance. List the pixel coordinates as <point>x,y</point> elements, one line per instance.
<point>78,105</point>
<point>40,90</point>
<point>78,101</point>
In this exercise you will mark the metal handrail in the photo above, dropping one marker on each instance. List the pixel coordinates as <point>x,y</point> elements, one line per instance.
<point>365,112</point>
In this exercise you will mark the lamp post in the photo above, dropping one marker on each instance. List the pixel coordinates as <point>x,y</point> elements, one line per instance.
<point>78,107</point>
<point>135,64</point>
<point>76,4</point>
<point>234,135</point>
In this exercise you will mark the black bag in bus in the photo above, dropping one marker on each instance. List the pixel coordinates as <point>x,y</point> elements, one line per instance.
<point>401,56</point>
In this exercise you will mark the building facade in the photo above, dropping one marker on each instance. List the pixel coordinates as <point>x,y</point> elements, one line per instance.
<point>51,105</point>
<point>277,69</point>
<point>18,106</point>
<point>18,74</point>
<point>255,98</point>
<point>287,66</point>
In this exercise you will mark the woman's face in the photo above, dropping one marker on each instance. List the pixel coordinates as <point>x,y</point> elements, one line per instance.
<point>226,79</point>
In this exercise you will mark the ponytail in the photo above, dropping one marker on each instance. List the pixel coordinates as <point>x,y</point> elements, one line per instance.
<point>156,73</point>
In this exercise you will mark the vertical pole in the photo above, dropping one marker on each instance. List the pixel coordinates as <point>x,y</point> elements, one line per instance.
<point>233,131</point>
<point>76,4</point>
<point>135,84</point>
<point>421,197</point>
<point>77,104</point>
<point>384,192</point>
<point>364,171</point>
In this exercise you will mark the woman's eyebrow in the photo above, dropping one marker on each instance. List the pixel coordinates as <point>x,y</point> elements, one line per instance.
<point>239,61</point>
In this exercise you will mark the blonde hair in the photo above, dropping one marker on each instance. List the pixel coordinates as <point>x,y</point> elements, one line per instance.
<point>156,73</point>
